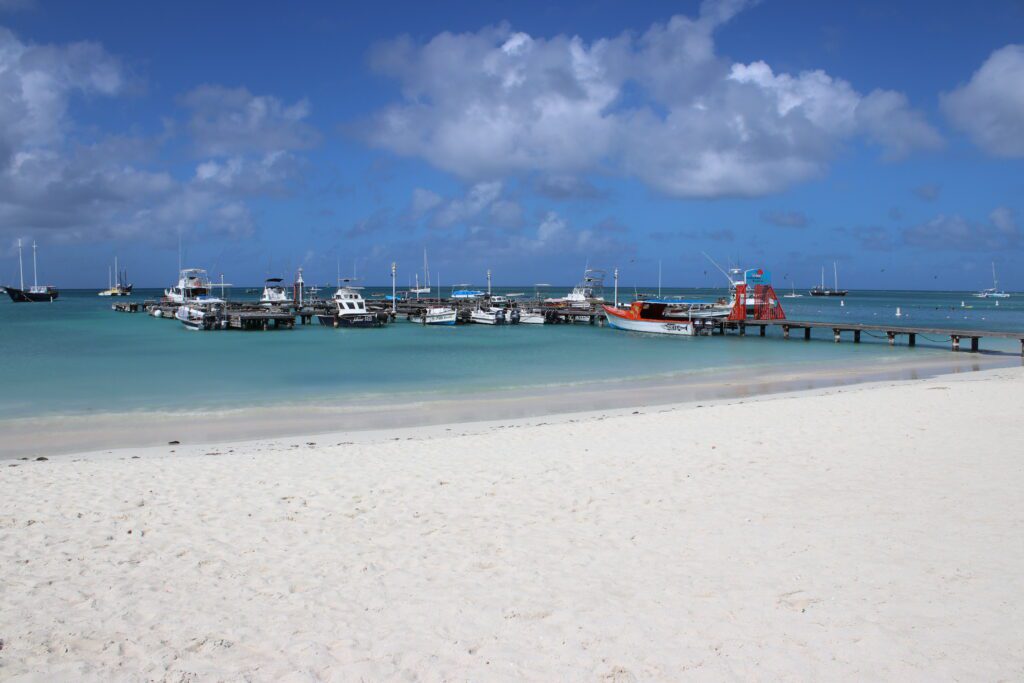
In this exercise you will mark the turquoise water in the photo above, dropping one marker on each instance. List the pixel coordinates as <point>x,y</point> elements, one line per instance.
<point>77,356</point>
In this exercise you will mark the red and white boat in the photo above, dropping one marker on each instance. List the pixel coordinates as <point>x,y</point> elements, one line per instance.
<point>668,316</point>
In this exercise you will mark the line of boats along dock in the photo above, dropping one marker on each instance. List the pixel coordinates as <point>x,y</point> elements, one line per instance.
<point>751,301</point>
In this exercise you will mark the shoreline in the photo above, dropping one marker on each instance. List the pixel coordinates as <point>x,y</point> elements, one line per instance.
<point>103,433</point>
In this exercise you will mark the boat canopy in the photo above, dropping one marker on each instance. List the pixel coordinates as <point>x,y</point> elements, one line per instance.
<point>677,302</point>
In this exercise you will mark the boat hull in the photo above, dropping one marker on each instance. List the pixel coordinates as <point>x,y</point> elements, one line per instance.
<point>616,319</point>
<point>357,321</point>
<point>21,296</point>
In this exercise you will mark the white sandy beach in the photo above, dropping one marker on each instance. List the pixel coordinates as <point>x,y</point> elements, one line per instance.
<point>870,532</point>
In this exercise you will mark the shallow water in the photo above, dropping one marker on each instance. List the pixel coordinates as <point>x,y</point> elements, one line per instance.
<point>76,356</point>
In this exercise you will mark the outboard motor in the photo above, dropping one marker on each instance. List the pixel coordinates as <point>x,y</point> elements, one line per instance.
<point>500,317</point>
<point>514,316</point>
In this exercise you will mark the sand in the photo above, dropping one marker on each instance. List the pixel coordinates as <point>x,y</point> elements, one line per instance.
<point>870,532</point>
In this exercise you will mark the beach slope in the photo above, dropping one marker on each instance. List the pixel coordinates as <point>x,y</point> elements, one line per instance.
<point>870,532</point>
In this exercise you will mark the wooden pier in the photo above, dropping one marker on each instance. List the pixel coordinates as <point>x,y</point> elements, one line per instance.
<point>888,332</point>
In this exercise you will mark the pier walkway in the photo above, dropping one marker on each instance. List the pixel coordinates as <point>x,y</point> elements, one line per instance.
<point>890,332</point>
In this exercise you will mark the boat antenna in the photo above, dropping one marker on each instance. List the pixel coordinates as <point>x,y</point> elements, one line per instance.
<point>35,273</point>
<point>720,269</point>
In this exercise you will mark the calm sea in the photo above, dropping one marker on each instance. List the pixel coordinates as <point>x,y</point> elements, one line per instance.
<point>77,356</point>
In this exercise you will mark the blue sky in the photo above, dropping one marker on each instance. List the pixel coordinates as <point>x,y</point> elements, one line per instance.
<point>520,137</point>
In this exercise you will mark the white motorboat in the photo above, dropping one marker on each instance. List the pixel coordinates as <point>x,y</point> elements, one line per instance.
<point>667,316</point>
<point>437,315</point>
<point>531,318</point>
<point>192,284</point>
<point>200,313</point>
<point>590,289</point>
<point>351,310</point>
<point>275,294</point>
<point>487,316</point>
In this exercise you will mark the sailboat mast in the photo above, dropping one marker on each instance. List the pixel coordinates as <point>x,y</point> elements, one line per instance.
<point>488,282</point>
<point>659,279</point>
<point>110,284</point>
<point>118,271</point>
<point>823,277</point>
<point>835,273</point>
<point>995,282</point>
<point>21,268</point>
<point>35,274</point>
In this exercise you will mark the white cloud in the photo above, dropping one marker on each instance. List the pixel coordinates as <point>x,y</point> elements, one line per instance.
<point>228,121</point>
<point>990,107</point>
<point>479,197</point>
<point>958,233</point>
<point>662,107</point>
<point>72,184</point>
<point>423,202</point>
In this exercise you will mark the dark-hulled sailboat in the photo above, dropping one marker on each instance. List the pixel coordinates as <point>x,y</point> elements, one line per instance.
<point>36,292</point>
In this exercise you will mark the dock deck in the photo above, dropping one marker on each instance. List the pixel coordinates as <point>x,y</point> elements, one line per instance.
<point>890,332</point>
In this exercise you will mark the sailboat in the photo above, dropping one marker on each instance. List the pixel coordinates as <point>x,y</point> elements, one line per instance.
<point>426,278</point>
<point>822,290</point>
<point>117,285</point>
<point>36,292</point>
<point>792,294</point>
<point>994,292</point>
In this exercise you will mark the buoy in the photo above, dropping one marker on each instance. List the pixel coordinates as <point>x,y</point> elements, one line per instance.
<point>962,304</point>
<point>899,314</point>
<point>997,303</point>
<point>842,302</point>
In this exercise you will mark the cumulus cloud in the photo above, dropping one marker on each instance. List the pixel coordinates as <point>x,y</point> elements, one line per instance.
<point>990,107</point>
<point>662,107</point>
<point>785,219</point>
<point>568,187</point>
<point>226,121</point>
<point>71,184</point>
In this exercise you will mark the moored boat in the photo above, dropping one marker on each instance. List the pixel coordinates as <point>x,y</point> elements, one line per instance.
<point>193,283</point>
<point>275,293</point>
<point>436,315</point>
<point>667,316</point>
<point>37,292</point>
<point>822,290</point>
<point>351,311</point>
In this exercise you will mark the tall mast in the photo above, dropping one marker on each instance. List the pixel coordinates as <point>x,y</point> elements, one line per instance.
<point>995,282</point>
<point>823,277</point>
<point>659,278</point>
<point>21,268</point>
<point>835,273</point>
<point>426,269</point>
<point>118,271</point>
<point>488,282</point>
<point>393,302</point>
<point>35,275</point>
<point>109,283</point>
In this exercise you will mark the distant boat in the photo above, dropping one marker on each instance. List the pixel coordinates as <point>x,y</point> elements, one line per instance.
<point>36,292</point>
<point>274,293</point>
<point>792,294</point>
<point>192,284</point>
<point>417,290</point>
<point>994,292</point>
<point>822,290</point>
<point>117,285</point>
<point>591,288</point>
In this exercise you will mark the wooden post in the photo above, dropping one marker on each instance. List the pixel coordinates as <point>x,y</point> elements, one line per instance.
<point>912,339</point>
<point>892,338</point>
<point>743,329</point>
<point>856,336</point>
<point>956,342</point>
<point>835,334</point>
<point>807,337</point>
<point>785,331</point>
<point>974,344</point>
<point>762,330</point>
